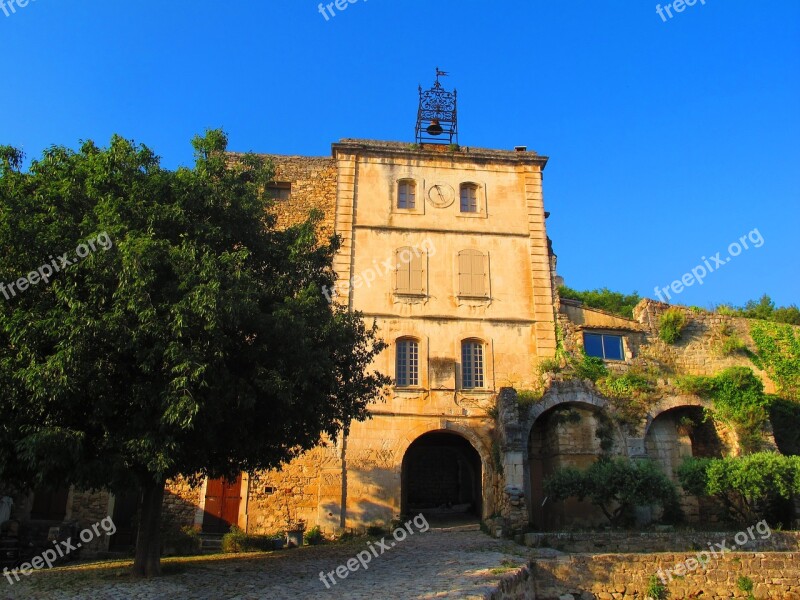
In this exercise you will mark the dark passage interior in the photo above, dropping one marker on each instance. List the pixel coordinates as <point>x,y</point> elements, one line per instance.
<point>441,477</point>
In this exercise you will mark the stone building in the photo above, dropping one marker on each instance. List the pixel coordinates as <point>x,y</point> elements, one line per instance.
<point>445,248</point>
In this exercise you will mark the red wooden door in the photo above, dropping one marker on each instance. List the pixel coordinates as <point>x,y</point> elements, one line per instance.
<point>222,504</point>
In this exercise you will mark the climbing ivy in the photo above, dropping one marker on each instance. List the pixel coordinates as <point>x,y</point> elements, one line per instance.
<point>778,353</point>
<point>738,400</point>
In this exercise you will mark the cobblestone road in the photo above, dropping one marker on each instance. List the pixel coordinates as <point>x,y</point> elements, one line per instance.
<point>436,564</point>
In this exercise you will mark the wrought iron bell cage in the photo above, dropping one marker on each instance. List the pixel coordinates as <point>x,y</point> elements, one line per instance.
<point>437,117</point>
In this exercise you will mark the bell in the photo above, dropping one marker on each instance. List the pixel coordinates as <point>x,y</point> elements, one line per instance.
<point>434,128</point>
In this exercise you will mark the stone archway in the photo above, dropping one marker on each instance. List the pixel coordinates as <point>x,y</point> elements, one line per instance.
<point>571,433</point>
<point>442,478</point>
<point>678,432</point>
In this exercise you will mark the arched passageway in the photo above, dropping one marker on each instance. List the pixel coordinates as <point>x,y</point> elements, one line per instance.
<point>680,433</point>
<point>568,435</point>
<point>441,478</point>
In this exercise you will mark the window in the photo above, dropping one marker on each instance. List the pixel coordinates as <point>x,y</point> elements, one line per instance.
<point>410,271</point>
<point>472,273</point>
<point>279,190</point>
<point>471,364</point>
<point>469,198</point>
<point>407,363</point>
<point>601,345</point>
<point>406,193</point>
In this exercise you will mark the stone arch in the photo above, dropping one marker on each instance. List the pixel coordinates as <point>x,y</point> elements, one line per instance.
<point>568,428</point>
<point>469,441</point>
<point>566,395</point>
<point>666,404</point>
<point>676,429</point>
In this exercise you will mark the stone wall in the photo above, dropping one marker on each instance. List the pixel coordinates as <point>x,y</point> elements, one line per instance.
<point>89,508</point>
<point>649,542</point>
<point>181,501</point>
<point>518,586</point>
<point>625,576</point>
<point>697,352</point>
<point>313,182</point>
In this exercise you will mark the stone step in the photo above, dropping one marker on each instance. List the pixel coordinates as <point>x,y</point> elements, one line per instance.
<point>210,542</point>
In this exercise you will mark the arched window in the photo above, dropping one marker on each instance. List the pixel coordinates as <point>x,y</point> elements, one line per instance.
<point>410,270</point>
<point>469,198</point>
<point>406,193</point>
<point>407,363</point>
<point>472,364</point>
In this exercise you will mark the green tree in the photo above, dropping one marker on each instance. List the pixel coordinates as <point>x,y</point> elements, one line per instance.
<point>604,299</point>
<point>749,488</point>
<point>199,344</point>
<point>616,487</point>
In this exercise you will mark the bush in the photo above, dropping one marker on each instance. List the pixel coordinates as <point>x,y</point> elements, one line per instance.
<point>588,367</point>
<point>738,399</point>
<point>616,487</point>
<point>630,384</point>
<point>656,589</point>
<point>526,398</point>
<point>671,324</point>
<point>313,536</point>
<point>239,541</point>
<point>180,541</point>
<point>749,488</point>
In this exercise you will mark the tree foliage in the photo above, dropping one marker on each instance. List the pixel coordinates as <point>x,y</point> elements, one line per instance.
<point>749,488</point>
<point>765,309</point>
<point>604,299</point>
<point>616,487</point>
<point>201,343</point>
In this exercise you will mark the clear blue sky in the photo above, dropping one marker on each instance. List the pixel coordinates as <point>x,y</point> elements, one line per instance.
<point>667,141</point>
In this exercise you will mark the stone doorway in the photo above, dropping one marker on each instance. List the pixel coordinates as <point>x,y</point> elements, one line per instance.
<point>441,478</point>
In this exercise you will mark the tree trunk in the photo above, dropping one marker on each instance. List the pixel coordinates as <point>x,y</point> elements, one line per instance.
<point>148,540</point>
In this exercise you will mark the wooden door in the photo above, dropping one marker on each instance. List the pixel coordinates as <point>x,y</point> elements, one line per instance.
<point>222,504</point>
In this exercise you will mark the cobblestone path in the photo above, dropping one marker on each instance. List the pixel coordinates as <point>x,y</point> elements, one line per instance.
<point>432,565</point>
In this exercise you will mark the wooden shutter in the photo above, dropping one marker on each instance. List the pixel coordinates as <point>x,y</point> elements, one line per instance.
<point>472,273</point>
<point>417,274</point>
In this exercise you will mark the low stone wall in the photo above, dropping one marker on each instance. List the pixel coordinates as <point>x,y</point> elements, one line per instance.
<point>625,576</point>
<point>518,586</point>
<point>648,542</point>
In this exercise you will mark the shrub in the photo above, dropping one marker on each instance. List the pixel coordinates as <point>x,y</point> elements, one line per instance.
<point>527,398</point>
<point>238,541</point>
<point>616,487</point>
<point>745,584</point>
<point>588,367</point>
<point>738,399</point>
<point>749,488</point>
<point>313,536</point>
<point>631,384</point>
<point>181,541</point>
<point>656,590</point>
<point>671,324</point>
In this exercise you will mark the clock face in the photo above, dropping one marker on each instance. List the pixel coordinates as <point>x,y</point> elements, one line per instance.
<point>441,195</point>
